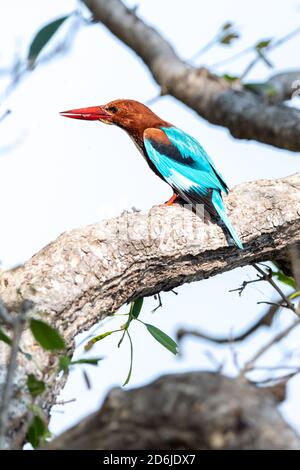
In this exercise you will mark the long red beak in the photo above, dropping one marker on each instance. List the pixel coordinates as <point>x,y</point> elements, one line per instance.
<point>93,113</point>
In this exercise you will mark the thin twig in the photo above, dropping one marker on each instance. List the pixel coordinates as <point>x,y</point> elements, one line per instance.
<point>265,320</point>
<point>260,56</point>
<point>159,303</point>
<point>205,48</point>
<point>234,354</point>
<point>249,49</point>
<point>5,114</point>
<point>219,340</point>
<point>250,364</point>
<point>274,380</point>
<point>64,402</point>
<point>219,366</point>
<point>241,289</point>
<point>268,278</point>
<point>233,57</point>
<point>283,367</point>
<point>274,304</point>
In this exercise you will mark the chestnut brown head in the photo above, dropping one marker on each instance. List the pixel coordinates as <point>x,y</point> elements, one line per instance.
<point>130,115</point>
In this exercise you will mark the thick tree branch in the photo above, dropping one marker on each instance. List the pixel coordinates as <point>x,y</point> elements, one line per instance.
<point>94,270</point>
<point>88,273</point>
<point>278,88</point>
<point>188,411</point>
<point>285,85</point>
<point>244,113</point>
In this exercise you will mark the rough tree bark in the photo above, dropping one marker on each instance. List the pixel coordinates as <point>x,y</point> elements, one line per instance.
<point>198,410</point>
<point>247,115</point>
<point>88,273</point>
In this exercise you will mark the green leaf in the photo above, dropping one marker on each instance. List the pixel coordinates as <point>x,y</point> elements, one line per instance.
<point>93,361</point>
<point>270,91</point>
<point>136,307</point>
<point>43,37</point>
<point>227,39</point>
<point>131,360</point>
<point>261,88</point>
<point>46,336</point>
<point>37,431</point>
<point>36,387</point>
<point>230,78</point>
<point>227,25</point>
<point>263,44</point>
<point>64,363</point>
<point>288,280</point>
<point>294,295</point>
<point>94,340</point>
<point>162,338</point>
<point>3,337</point>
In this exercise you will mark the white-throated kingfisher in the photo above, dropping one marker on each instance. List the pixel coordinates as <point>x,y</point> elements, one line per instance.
<point>173,155</point>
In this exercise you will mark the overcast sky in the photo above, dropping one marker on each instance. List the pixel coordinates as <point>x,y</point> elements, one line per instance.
<point>60,174</point>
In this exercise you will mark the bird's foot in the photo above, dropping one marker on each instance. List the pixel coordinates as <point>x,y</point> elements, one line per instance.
<point>171,201</point>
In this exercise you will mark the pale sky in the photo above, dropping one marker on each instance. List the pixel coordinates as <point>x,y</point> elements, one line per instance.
<point>63,174</point>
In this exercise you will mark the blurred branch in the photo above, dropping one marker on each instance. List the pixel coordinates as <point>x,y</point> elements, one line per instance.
<point>250,49</point>
<point>273,45</point>
<point>5,114</point>
<point>249,365</point>
<point>212,97</point>
<point>8,384</point>
<point>17,323</point>
<point>265,320</point>
<point>225,36</point>
<point>278,88</point>
<point>207,412</point>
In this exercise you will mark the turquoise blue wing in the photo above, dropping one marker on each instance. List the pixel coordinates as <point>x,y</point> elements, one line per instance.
<point>182,161</point>
<point>184,165</point>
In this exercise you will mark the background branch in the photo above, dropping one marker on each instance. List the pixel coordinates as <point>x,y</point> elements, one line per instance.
<point>184,411</point>
<point>243,112</point>
<point>265,320</point>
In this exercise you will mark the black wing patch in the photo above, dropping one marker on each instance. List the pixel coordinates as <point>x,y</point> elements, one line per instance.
<point>172,152</point>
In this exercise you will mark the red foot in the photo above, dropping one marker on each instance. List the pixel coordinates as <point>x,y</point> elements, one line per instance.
<point>171,201</point>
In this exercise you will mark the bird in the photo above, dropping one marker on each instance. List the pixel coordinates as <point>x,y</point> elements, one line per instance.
<point>173,155</point>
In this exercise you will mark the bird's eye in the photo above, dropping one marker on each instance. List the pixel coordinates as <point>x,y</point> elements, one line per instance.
<point>112,109</point>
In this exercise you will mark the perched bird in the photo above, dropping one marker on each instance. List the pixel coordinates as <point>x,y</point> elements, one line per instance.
<point>173,155</point>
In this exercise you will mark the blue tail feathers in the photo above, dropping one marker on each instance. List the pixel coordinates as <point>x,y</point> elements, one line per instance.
<point>219,206</point>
